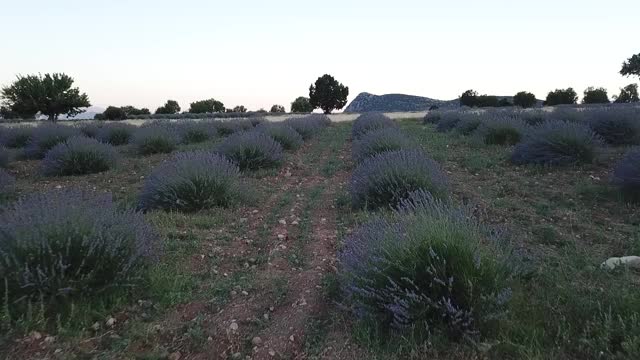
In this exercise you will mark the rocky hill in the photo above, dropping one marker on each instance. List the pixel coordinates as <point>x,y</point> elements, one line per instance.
<point>365,102</point>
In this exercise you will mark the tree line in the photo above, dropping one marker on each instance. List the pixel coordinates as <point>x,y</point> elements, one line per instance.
<point>54,95</point>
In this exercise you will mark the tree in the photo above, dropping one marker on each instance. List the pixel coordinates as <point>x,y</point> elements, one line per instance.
<point>240,109</point>
<point>524,99</point>
<point>114,113</point>
<point>301,105</point>
<point>206,106</point>
<point>51,94</point>
<point>170,107</point>
<point>595,96</point>
<point>561,96</point>
<point>277,109</point>
<point>7,114</point>
<point>132,111</point>
<point>328,94</point>
<point>628,94</point>
<point>469,98</point>
<point>504,102</point>
<point>631,66</point>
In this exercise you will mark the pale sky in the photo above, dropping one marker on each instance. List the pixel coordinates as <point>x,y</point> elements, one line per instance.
<point>260,53</point>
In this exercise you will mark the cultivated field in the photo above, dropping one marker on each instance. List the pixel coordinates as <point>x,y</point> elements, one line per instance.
<point>462,235</point>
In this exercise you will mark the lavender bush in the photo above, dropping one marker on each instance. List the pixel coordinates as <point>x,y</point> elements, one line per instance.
<point>369,122</point>
<point>449,120</point>
<point>229,127</point>
<point>252,150</point>
<point>191,181</point>
<point>431,269</point>
<point>432,117</point>
<point>7,182</point>
<point>62,244</point>
<point>385,179</point>
<point>616,127</point>
<point>306,126</point>
<point>90,129</point>
<point>501,131</point>
<point>379,141</point>
<point>154,139</point>
<point>468,124</point>
<point>284,134</point>
<point>192,132</point>
<point>116,134</point>
<point>16,137</point>
<point>79,156</point>
<point>4,157</point>
<point>558,143</point>
<point>626,173</point>
<point>45,137</point>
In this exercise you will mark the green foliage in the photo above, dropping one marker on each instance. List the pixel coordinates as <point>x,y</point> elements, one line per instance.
<point>277,109</point>
<point>595,96</point>
<point>114,113</point>
<point>631,66</point>
<point>206,106</point>
<point>133,111</point>
<point>524,99</point>
<point>301,105</point>
<point>471,98</point>
<point>628,94</point>
<point>170,107</point>
<point>50,94</point>
<point>561,96</point>
<point>239,109</point>
<point>328,94</point>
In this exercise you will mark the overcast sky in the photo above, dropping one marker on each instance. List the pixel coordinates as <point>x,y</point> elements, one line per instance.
<point>260,53</point>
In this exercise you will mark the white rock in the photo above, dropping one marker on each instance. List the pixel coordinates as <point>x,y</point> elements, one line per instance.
<point>630,261</point>
<point>110,322</point>
<point>233,326</point>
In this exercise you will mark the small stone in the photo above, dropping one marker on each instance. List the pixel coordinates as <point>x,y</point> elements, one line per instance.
<point>271,308</point>
<point>49,339</point>
<point>294,222</point>
<point>58,186</point>
<point>281,236</point>
<point>254,212</point>
<point>265,316</point>
<point>242,220</point>
<point>234,293</point>
<point>236,355</point>
<point>282,222</point>
<point>175,356</point>
<point>110,322</point>
<point>233,326</point>
<point>209,338</point>
<point>256,341</point>
<point>95,326</point>
<point>245,293</point>
<point>57,351</point>
<point>272,352</point>
<point>291,338</point>
<point>36,335</point>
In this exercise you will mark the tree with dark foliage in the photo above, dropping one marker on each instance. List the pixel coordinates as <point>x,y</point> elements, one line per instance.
<point>277,109</point>
<point>595,96</point>
<point>631,66</point>
<point>628,94</point>
<point>524,99</point>
<point>206,106</point>
<point>51,95</point>
<point>561,96</point>
<point>170,107</point>
<point>328,94</point>
<point>301,105</point>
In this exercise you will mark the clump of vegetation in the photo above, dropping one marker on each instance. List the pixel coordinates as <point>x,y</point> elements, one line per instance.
<point>533,117</point>
<point>16,137</point>
<point>432,117</point>
<point>59,246</point>
<point>468,124</point>
<point>4,157</point>
<point>370,122</point>
<point>79,156</point>
<point>7,182</point>
<point>284,134</point>
<point>558,143</point>
<point>385,179</point>
<point>154,139</point>
<point>379,141</point>
<point>501,131</point>
<point>566,96</point>
<point>191,181</point>
<point>616,127</point>
<point>448,121</point>
<point>192,132</point>
<point>626,173</point>
<point>228,127</point>
<point>328,94</point>
<point>252,150</point>
<point>90,129</point>
<point>116,134</point>
<point>45,137</point>
<point>524,99</point>
<point>430,270</point>
<point>307,126</point>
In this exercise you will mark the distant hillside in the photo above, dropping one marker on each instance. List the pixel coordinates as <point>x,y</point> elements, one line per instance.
<point>365,102</point>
